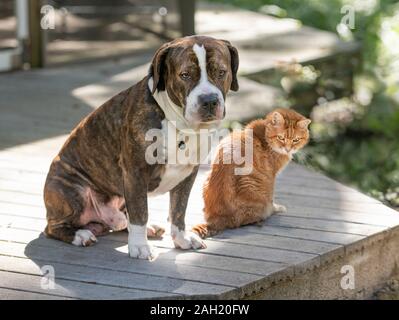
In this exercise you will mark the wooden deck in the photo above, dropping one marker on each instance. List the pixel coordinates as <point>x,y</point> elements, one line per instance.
<point>298,254</point>
<point>323,219</point>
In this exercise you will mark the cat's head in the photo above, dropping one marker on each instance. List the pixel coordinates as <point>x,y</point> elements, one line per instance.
<point>286,131</point>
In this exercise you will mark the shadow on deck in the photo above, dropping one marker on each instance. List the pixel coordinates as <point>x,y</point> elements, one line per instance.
<point>299,254</point>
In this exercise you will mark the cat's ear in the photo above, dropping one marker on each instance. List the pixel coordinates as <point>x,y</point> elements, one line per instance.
<point>276,119</point>
<point>303,124</point>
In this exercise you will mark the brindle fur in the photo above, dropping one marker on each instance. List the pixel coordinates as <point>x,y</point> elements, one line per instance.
<point>106,151</point>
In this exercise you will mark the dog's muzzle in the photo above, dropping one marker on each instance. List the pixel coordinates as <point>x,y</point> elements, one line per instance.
<point>209,107</point>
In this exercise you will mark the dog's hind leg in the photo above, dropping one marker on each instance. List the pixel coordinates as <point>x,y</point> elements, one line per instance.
<point>70,234</point>
<point>98,229</point>
<point>65,203</point>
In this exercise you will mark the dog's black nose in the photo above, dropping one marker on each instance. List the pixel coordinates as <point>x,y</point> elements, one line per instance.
<point>208,102</point>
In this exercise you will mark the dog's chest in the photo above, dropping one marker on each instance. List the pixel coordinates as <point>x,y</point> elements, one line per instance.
<point>181,153</point>
<point>171,177</point>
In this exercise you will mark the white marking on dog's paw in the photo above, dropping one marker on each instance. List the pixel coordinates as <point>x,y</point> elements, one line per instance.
<point>138,245</point>
<point>279,208</point>
<point>145,252</point>
<point>84,238</point>
<point>186,239</point>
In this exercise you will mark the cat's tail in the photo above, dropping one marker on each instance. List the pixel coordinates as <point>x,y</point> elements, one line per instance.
<point>204,230</point>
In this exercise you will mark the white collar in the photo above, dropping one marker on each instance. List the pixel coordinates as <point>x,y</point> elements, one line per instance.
<point>174,113</point>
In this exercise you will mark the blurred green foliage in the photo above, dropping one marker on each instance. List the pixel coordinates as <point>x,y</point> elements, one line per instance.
<point>360,144</point>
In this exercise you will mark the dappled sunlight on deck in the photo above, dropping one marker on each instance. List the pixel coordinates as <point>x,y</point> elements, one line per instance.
<point>324,218</point>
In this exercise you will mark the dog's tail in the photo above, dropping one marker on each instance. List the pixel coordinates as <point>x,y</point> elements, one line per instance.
<point>204,230</point>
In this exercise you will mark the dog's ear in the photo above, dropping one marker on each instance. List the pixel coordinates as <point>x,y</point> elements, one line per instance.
<point>234,64</point>
<point>158,67</point>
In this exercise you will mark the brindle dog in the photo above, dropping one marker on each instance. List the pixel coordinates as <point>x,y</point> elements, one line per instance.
<point>101,171</point>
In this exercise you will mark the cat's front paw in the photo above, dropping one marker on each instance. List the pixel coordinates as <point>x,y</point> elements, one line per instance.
<point>279,208</point>
<point>186,239</point>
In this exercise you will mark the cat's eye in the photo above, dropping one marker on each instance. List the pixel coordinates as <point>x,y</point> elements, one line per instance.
<point>280,137</point>
<point>296,140</point>
<point>185,76</point>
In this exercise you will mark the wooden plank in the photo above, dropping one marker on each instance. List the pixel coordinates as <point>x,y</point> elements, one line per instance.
<point>194,258</point>
<point>9,221</point>
<point>20,175</point>
<point>290,224</point>
<point>18,197</point>
<point>12,294</point>
<point>385,220</point>
<point>334,193</point>
<point>309,201</point>
<point>239,236</point>
<point>36,188</point>
<point>306,234</point>
<point>323,183</point>
<point>21,210</point>
<point>324,186</point>
<point>232,250</point>
<point>247,234</point>
<point>263,240</point>
<point>45,123</point>
<point>249,237</point>
<point>164,286</point>
<point>72,289</point>
<point>251,252</point>
<point>325,225</point>
<point>294,199</point>
<point>310,223</point>
<point>308,230</point>
<point>9,155</point>
<point>213,280</point>
<point>39,223</point>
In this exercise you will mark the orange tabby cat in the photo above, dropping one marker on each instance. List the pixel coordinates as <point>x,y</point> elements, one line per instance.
<point>233,200</point>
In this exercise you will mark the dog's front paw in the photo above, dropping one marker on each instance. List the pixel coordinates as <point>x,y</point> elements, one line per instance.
<point>145,252</point>
<point>279,208</point>
<point>139,247</point>
<point>187,239</point>
<point>84,238</point>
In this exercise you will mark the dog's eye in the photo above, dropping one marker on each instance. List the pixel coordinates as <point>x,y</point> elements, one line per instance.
<point>296,140</point>
<point>222,73</point>
<point>185,76</point>
<point>280,137</point>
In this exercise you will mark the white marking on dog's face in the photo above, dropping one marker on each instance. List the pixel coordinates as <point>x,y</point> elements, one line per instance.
<point>203,90</point>
<point>137,242</point>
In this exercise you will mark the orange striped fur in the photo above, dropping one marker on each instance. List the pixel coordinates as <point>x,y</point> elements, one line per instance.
<point>234,200</point>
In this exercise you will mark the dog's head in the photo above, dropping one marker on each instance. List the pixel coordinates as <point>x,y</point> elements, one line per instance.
<point>197,72</point>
